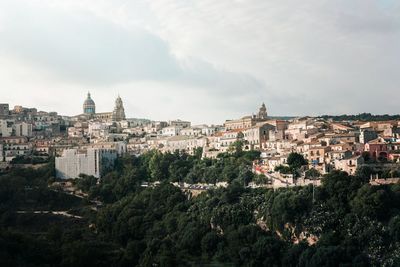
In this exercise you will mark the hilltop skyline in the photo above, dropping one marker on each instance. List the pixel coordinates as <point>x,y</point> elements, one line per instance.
<point>203,62</point>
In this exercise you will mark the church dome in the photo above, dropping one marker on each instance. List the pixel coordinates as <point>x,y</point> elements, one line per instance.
<point>89,107</point>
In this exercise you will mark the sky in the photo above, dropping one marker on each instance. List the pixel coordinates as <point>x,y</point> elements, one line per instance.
<point>202,60</point>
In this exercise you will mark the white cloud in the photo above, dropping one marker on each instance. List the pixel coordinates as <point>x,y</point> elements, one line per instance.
<point>203,60</point>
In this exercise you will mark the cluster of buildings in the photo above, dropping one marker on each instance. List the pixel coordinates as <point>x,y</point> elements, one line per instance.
<point>329,145</point>
<point>90,142</point>
<point>23,131</point>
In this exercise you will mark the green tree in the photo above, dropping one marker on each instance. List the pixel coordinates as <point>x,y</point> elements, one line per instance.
<point>296,161</point>
<point>313,173</point>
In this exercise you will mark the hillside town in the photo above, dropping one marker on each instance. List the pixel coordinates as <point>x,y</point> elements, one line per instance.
<point>89,143</point>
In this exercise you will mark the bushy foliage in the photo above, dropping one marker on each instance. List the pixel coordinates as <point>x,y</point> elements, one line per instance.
<point>349,223</point>
<point>362,117</point>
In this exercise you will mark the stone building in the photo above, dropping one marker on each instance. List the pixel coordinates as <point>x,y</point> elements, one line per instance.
<point>89,107</point>
<point>23,129</point>
<point>4,110</point>
<point>349,164</point>
<point>89,111</point>
<point>119,111</point>
<point>247,121</point>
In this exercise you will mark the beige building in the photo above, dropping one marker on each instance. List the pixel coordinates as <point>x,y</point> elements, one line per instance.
<point>318,155</point>
<point>257,135</point>
<point>184,143</point>
<point>247,121</point>
<point>349,164</point>
<point>89,111</point>
<point>180,123</point>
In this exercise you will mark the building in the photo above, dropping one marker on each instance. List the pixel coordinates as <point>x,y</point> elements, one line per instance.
<point>367,134</point>
<point>257,135</point>
<point>89,107</point>
<point>119,111</point>
<point>15,146</point>
<point>377,148</point>
<point>192,131</point>
<point>247,121</point>
<point>317,154</point>
<point>4,109</point>
<point>179,123</point>
<point>91,161</point>
<point>1,153</point>
<point>120,147</point>
<point>188,144</point>
<point>89,111</point>
<point>349,164</point>
<point>23,129</point>
<point>300,129</point>
<point>262,113</point>
<point>6,128</point>
<point>171,130</point>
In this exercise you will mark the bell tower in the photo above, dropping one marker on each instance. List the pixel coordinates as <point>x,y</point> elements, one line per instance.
<point>119,111</point>
<point>262,113</point>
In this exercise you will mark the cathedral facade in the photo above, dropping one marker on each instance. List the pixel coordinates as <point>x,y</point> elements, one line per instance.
<point>89,111</point>
<point>248,121</point>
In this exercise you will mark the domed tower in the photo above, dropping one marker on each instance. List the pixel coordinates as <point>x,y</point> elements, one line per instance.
<point>262,113</point>
<point>119,111</point>
<point>89,107</point>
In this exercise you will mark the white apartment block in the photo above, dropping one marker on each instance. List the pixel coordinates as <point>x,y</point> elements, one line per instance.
<point>23,129</point>
<point>92,161</point>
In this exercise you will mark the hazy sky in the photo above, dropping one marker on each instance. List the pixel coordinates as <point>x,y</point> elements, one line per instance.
<point>202,60</point>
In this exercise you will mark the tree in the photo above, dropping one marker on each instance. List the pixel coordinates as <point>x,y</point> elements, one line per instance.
<point>245,175</point>
<point>86,182</point>
<point>283,169</point>
<point>261,179</point>
<point>364,172</point>
<point>394,228</point>
<point>313,173</point>
<point>236,148</point>
<point>296,161</point>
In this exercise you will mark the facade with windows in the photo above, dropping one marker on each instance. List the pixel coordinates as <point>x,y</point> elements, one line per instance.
<point>91,161</point>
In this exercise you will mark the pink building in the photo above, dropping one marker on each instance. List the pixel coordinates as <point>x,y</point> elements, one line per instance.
<point>377,148</point>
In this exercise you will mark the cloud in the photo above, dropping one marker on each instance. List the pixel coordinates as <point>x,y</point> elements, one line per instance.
<point>83,47</point>
<point>206,60</point>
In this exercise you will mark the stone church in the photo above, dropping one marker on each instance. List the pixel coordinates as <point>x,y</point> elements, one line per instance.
<point>89,111</point>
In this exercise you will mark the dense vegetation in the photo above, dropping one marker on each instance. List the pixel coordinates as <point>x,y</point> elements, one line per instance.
<point>30,160</point>
<point>171,167</point>
<point>362,117</point>
<point>349,223</point>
